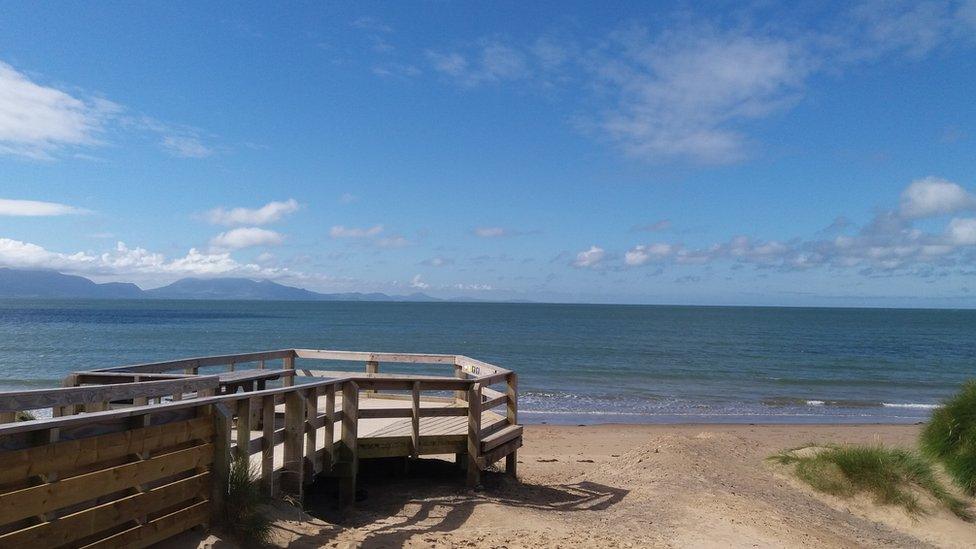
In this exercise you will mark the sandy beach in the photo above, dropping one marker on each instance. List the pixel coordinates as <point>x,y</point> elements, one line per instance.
<point>624,486</point>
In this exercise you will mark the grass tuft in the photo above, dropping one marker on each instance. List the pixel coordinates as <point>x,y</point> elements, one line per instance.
<point>242,514</point>
<point>25,416</point>
<point>891,475</point>
<point>950,437</point>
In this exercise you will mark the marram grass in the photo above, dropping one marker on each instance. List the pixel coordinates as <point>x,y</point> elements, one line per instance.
<point>950,437</point>
<point>243,518</point>
<point>891,475</point>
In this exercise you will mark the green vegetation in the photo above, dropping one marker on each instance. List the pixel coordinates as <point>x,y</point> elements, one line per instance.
<point>24,416</point>
<point>242,511</point>
<point>893,476</point>
<point>950,437</point>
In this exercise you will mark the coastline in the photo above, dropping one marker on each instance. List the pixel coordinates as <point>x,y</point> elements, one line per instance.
<point>627,485</point>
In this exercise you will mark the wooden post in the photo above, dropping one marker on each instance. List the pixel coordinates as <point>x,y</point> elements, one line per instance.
<point>459,373</point>
<point>288,363</point>
<point>350,427</point>
<point>267,444</point>
<point>139,401</point>
<point>293,473</point>
<point>415,422</point>
<point>330,403</point>
<point>243,428</point>
<point>511,391</point>
<point>372,367</point>
<point>221,465</point>
<point>474,434</point>
<point>311,430</point>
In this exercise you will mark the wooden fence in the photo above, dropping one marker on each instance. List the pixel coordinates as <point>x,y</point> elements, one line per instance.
<point>135,454</point>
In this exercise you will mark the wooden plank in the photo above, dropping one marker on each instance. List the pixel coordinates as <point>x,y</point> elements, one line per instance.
<point>288,363</point>
<point>71,455</point>
<point>200,362</point>
<point>474,435</point>
<point>36,500</point>
<point>222,419</point>
<point>268,444</point>
<point>511,415</point>
<point>15,401</point>
<point>293,478</point>
<point>501,437</point>
<point>243,428</point>
<point>311,431</point>
<point>157,530</point>
<point>494,402</point>
<point>504,450</point>
<point>102,517</point>
<point>415,421</point>
<point>361,356</point>
<point>350,429</point>
<point>330,419</point>
<point>384,413</point>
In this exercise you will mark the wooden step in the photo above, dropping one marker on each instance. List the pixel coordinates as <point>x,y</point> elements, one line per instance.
<point>501,437</point>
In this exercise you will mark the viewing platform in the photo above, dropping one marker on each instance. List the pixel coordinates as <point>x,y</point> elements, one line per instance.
<point>132,455</point>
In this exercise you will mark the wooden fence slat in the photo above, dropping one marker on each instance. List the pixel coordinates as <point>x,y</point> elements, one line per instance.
<point>267,444</point>
<point>34,399</point>
<point>157,530</point>
<point>330,418</point>
<point>71,455</point>
<point>43,498</point>
<point>415,421</point>
<point>102,517</point>
<point>474,434</point>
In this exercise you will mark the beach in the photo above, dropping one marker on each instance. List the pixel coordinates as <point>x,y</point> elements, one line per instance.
<point>702,485</point>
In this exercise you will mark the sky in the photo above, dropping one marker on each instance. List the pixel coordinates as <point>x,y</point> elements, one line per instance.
<point>725,153</point>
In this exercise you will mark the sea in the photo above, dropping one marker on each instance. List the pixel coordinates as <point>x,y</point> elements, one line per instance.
<point>577,364</point>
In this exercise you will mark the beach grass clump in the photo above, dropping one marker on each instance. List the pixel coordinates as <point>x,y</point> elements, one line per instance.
<point>243,517</point>
<point>24,416</point>
<point>893,476</point>
<point>950,437</point>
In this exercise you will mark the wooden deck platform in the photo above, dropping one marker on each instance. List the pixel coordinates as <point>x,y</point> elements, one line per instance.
<point>135,454</point>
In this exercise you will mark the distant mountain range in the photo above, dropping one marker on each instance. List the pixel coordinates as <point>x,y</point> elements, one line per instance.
<point>51,284</point>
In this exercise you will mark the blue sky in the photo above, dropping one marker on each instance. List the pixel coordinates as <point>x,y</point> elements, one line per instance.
<point>813,154</point>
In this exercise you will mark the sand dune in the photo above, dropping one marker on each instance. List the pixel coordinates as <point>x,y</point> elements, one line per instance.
<point>627,486</point>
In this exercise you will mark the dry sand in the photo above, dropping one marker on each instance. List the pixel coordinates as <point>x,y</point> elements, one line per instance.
<point>625,486</point>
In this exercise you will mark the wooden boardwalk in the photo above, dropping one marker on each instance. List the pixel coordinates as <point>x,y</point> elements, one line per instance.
<point>135,454</point>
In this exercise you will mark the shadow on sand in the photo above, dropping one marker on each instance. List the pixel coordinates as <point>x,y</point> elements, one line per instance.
<point>432,498</point>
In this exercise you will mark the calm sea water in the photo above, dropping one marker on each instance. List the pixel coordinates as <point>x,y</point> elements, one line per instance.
<point>577,363</point>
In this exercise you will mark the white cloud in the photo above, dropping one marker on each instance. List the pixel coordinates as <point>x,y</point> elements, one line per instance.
<point>640,255</point>
<point>245,237</point>
<point>493,62</point>
<point>934,196</point>
<point>36,120</point>
<point>490,232</point>
<point>682,94</point>
<point>348,198</point>
<point>962,232</point>
<point>589,258</point>
<point>34,208</point>
<point>437,262</point>
<point>341,231</point>
<point>186,146</point>
<point>127,262</point>
<point>417,282</point>
<point>269,213</point>
<point>393,241</point>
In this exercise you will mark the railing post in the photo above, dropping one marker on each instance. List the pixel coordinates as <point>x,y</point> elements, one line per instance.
<point>293,473</point>
<point>243,428</point>
<point>459,373</point>
<point>330,401</point>
<point>415,421</point>
<point>311,430</point>
<point>267,444</point>
<point>511,391</point>
<point>350,450</point>
<point>474,434</point>
<point>288,363</point>
<point>372,367</point>
<point>222,418</point>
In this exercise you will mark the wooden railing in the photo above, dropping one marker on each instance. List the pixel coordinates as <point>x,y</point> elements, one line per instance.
<point>186,427</point>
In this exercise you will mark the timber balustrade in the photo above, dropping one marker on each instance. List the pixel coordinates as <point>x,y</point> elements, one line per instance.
<point>135,454</point>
